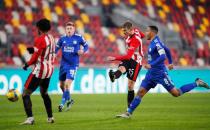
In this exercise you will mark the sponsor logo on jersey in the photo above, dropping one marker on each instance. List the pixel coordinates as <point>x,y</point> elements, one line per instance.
<point>68,49</point>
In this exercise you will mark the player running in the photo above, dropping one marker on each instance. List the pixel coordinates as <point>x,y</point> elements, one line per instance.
<point>43,59</point>
<point>71,45</point>
<point>157,73</point>
<point>131,63</point>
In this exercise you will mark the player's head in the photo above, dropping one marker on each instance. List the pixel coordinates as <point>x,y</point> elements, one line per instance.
<point>43,25</point>
<point>70,28</point>
<point>151,32</point>
<point>128,28</point>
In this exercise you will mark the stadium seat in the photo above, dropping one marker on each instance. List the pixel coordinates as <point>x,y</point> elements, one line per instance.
<point>8,3</point>
<point>3,37</point>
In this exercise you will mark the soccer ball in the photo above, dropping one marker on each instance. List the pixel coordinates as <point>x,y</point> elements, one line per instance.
<point>13,95</point>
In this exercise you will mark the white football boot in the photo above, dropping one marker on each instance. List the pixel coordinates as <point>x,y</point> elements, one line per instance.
<point>50,120</point>
<point>201,83</point>
<point>124,115</point>
<point>28,121</point>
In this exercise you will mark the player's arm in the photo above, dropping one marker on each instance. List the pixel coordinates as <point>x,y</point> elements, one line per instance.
<point>58,45</point>
<point>128,55</point>
<point>168,54</point>
<point>38,48</point>
<point>84,44</point>
<point>161,57</point>
<point>130,52</point>
<point>169,57</point>
<point>85,47</point>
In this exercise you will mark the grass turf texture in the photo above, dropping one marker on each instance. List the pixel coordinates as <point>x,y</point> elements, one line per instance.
<point>97,112</point>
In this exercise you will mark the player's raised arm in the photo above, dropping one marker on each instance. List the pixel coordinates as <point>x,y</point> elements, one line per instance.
<point>130,51</point>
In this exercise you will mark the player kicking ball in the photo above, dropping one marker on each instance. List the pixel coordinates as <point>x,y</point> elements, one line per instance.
<point>157,73</point>
<point>70,44</point>
<point>131,63</point>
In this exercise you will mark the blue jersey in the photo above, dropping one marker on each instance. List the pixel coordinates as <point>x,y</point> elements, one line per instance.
<point>157,52</point>
<point>70,45</point>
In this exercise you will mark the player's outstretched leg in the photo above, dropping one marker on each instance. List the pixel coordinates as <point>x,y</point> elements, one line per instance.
<point>188,87</point>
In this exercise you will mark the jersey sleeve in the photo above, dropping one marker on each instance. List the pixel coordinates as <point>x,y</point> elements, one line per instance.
<point>58,45</point>
<point>168,54</point>
<point>130,51</point>
<point>84,44</point>
<point>161,56</point>
<point>38,48</point>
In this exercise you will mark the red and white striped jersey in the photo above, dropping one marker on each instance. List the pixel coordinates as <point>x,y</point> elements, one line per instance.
<point>134,47</point>
<point>43,56</point>
<point>136,41</point>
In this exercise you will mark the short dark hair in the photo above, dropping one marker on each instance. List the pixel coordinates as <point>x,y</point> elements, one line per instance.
<point>127,25</point>
<point>154,28</point>
<point>70,23</point>
<point>43,25</point>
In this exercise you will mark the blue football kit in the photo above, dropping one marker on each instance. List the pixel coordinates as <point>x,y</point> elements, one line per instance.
<point>70,45</point>
<point>157,52</point>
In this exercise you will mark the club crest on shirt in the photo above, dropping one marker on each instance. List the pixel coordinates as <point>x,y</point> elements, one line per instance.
<point>74,42</point>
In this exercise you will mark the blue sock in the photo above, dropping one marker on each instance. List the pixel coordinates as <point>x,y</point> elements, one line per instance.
<point>63,100</point>
<point>187,87</point>
<point>64,97</point>
<point>136,101</point>
<point>68,96</point>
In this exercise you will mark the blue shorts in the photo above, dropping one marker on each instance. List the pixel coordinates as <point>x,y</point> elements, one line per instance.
<point>151,80</point>
<point>67,72</point>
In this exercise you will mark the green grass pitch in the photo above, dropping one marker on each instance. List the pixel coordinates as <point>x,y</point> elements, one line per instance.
<point>97,112</point>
